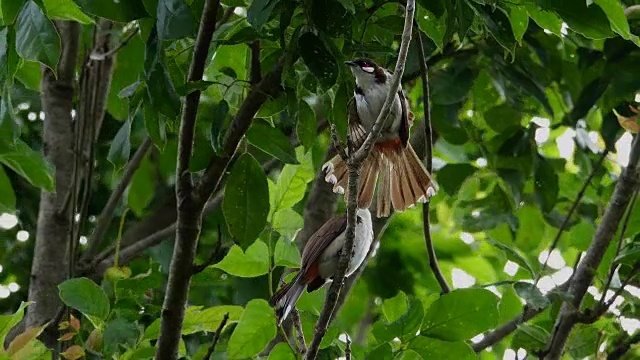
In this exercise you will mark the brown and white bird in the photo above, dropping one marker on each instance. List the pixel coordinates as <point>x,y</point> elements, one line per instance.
<point>404,180</point>
<point>320,259</point>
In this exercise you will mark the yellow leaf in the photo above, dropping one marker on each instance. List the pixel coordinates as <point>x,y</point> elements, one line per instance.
<point>94,341</point>
<point>63,325</point>
<point>22,340</point>
<point>73,352</point>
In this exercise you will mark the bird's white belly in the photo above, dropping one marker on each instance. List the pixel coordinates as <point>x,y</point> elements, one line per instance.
<point>329,258</point>
<point>370,105</point>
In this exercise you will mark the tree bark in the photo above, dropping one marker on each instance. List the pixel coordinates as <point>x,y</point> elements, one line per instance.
<point>50,259</point>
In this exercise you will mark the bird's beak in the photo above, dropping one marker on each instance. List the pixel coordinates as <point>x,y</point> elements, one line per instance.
<point>350,63</point>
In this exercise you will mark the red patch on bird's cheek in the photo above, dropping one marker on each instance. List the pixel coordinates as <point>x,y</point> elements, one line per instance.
<point>312,273</point>
<point>388,145</point>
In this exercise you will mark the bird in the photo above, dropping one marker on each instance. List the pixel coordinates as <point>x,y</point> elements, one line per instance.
<point>320,259</point>
<point>404,180</point>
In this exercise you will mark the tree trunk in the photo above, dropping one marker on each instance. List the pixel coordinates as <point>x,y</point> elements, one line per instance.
<point>54,221</point>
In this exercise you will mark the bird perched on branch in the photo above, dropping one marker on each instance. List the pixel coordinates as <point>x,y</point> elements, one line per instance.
<point>404,180</point>
<point>320,259</point>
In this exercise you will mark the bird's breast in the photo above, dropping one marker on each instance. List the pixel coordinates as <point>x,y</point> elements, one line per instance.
<point>369,104</point>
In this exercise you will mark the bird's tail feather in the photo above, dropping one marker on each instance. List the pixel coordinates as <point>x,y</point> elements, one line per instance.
<point>285,299</point>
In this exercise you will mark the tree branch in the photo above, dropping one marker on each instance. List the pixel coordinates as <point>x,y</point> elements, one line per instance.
<point>622,348</point>
<point>354,164</point>
<point>302,345</point>
<point>50,256</point>
<point>216,337</point>
<point>189,211</point>
<point>574,206</point>
<point>428,154</point>
<point>626,186</point>
<point>106,216</point>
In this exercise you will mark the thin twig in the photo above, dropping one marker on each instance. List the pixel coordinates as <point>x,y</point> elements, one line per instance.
<point>354,163</point>
<point>216,337</point>
<point>302,345</point>
<point>574,206</point>
<point>428,154</point>
<point>591,315</point>
<point>347,349</point>
<point>335,140</point>
<point>106,216</point>
<point>101,57</point>
<point>625,223</point>
<point>214,255</point>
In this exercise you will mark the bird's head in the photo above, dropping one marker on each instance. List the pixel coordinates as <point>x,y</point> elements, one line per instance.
<point>365,70</point>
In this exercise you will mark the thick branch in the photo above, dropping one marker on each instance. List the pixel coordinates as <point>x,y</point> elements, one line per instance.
<point>627,184</point>
<point>189,212</point>
<point>54,226</point>
<point>354,164</point>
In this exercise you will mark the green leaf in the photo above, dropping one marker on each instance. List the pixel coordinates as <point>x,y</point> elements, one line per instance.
<point>66,10</point>
<point>272,141</point>
<point>155,125</point>
<point>307,125</point>
<point>9,59</point>
<point>8,124</point>
<point>119,332</point>
<point>589,21</point>
<point>318,58</point>
<point>120,148</point>
<point>429,348</point>
<point>395,307</point>
<point>452,85</point>
<point>405,327</point>
<point>246,200</point>
<point>584,341</point>
<point>531,294</point>
<point>257,326</point>
<point>502,118</point>
<point>499,27</point>
<point>513,255</point>
<point>142,187</point>
<point>292,183</point>
<point>451,177</point>
<point>175,20</point>
<point>530,338</point>
<point>251,263</point>
<point>282,351</point>
<point>287,222</point>
<point>435,27</point>
<point>85,296</point>
<point>615,13</point>
<point>519,19</point>
<point>161,91</point>
<point>510,305</point>
<point>7,196</point>
<point>7,322</point>
<point>122,11</point>
<point>218,121</point>
<point>36,37</point>
<point>286,254</point>
<point>197,319</point>
<point>259,12</point>
<point>629,256</point>
<point>10,9</point>
<point>27,163</point>
<point>546,185</point>
<point>331,17</point>
<point>461,315</point>
<point>545,19</point>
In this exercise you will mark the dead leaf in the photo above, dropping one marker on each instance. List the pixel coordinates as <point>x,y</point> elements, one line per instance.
<point>631,124</point>
<point>74,322</point>
<point>73,352</point>
<point>66,337</point>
